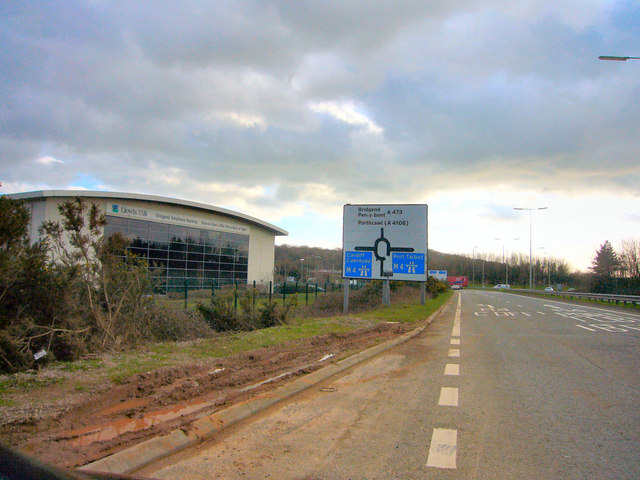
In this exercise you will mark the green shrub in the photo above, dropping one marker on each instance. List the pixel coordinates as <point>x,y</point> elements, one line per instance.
<point>269,315</point>
<point>34,298</point>
<point>434,287</point>
<point>221,314</point>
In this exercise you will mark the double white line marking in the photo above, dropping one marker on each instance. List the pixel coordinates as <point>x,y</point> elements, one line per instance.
<point>444,442</point>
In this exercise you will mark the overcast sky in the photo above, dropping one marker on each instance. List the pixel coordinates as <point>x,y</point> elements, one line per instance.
<point>287,110</point>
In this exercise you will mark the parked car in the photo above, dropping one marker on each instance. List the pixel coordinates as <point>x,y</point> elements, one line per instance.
<point>548,289</point>
<point>502,285</point>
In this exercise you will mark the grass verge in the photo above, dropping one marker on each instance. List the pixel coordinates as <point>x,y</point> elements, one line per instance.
<point>409,312</point>
<point>117,367</point>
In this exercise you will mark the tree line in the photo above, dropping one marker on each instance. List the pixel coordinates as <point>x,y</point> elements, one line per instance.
<point>304,263</point>
<point>611,271</point>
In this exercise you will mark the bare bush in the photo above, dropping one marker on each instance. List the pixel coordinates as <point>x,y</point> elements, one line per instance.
<point>167,323</point>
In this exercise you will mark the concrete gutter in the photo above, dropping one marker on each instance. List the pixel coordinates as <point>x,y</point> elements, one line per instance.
<point>140,455</point>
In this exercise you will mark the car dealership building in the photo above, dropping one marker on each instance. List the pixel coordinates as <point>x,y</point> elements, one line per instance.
<point>201,243</point>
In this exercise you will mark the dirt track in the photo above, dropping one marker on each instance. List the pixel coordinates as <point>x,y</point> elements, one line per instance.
<point>84,427</point>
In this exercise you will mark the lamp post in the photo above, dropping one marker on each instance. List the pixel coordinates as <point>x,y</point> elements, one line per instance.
<point>530,240</point>
<point>505,261</point>
<point>547,264</point>
<point>301,268</point>
<point>473,266</point>
<point>318,259</point>
<point>617,59</point>
<point>506,275</point>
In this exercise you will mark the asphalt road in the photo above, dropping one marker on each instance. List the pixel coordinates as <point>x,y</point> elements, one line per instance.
<point>510,387</point>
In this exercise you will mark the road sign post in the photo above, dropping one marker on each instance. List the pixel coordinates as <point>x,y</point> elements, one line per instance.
<point>345,304</point>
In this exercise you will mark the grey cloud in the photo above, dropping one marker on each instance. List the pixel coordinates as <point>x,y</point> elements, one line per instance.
<point>463,94</point>
<point>289,193</point>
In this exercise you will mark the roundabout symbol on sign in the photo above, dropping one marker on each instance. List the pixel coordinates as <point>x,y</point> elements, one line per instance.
<point>382,250</point>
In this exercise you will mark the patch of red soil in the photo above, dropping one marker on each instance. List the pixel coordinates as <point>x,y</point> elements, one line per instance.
<point>114,417</point>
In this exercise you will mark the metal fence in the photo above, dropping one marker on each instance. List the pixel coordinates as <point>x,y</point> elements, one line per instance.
<point>195,289</point>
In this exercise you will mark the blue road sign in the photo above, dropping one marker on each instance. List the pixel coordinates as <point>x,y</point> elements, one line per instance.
<point>408,263</point>
<point>358,264</point>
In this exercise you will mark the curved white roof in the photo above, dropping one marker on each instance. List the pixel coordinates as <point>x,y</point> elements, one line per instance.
<point>149,198</point>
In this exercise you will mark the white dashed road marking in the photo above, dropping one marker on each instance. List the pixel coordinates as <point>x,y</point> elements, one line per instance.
<point>448,397</point>
<point>443,448</point>
<point>456,322</point>
<point>586,328</point>
<point>452,369</point>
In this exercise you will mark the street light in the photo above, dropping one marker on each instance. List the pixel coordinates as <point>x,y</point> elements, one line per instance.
<point>506,263</point>
<point>530,241</point>
<point>318,259</point>
<point>547,264</point>
<point>506,275</point>
<point>617,59</point>
<point>473,266</point>
<point>301,268</point>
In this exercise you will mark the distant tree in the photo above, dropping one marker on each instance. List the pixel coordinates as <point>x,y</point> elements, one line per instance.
<point>605,267</point>
<point>630,258</point>
<point>562,274</point>
<point>606,262</point>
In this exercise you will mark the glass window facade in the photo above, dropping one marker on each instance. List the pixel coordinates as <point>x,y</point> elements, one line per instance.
<point>178,253</point>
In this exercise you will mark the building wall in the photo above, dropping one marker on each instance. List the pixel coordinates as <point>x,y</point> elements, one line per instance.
<point>262,248</point>
<point>38,215</point>
<point>261,241</point>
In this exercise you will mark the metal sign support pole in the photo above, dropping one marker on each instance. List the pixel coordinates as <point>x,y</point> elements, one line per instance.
<point>423,293</point>
<point>386,292</point>
<point>345,308</point>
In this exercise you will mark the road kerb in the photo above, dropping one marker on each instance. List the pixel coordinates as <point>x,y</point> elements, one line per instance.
<point>138,456</point>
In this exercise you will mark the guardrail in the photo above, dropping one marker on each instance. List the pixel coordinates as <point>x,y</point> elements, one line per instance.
<point>602,297</point>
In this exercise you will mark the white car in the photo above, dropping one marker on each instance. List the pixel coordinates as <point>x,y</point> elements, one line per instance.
<point>548,289</point>
<point>502,285</point>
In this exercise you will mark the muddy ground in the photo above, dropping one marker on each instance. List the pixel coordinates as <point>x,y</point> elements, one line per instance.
<point>69,429</point>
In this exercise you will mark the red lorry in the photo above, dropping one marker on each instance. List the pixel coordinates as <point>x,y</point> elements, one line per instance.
<point>462,281</point>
